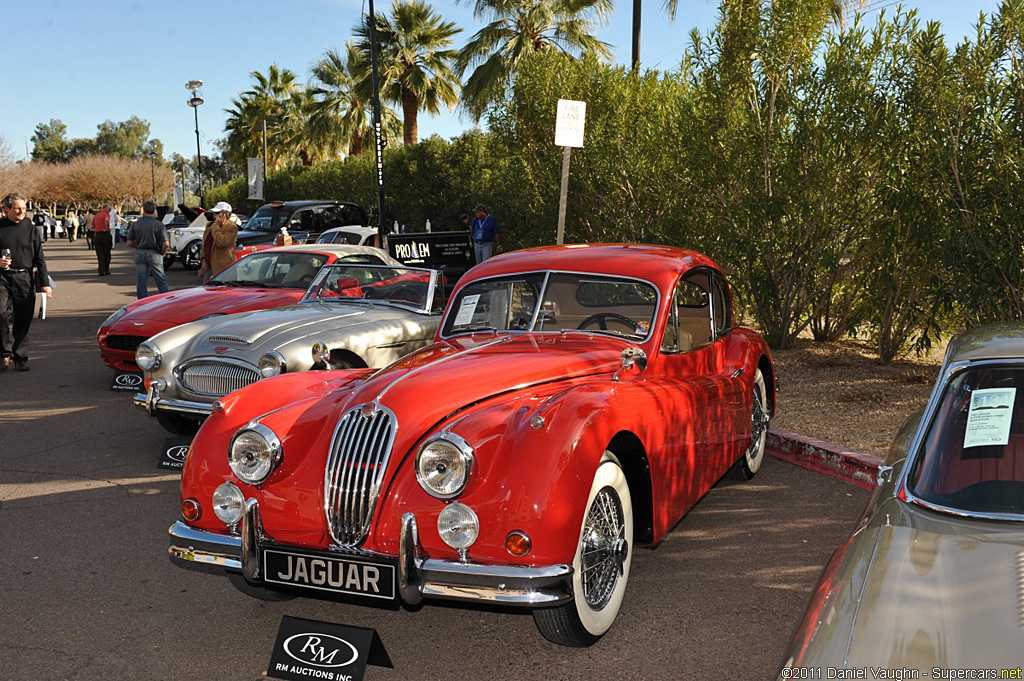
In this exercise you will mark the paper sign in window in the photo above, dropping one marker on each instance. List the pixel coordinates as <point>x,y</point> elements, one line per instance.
<point>466,310</point>
<point>988,422</point>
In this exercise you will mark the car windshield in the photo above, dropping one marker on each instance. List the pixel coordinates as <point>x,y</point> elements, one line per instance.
<point>268,219</point>
<point>973,455</point>
<point>271,270</point>
<point>555,302</point>
<point>413,288</point>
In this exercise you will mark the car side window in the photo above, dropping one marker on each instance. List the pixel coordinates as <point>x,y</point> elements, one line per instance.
<point>689,316</point>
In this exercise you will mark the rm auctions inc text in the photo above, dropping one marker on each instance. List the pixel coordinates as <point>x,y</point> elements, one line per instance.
<point>899,674</point>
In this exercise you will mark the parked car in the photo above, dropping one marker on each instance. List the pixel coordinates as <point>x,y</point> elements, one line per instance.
<point>272,278</point>
<point>352,234</point>
<point>931,576</point>
<point>352,316</point>
<point>304,220</point>
<point>577,400</point>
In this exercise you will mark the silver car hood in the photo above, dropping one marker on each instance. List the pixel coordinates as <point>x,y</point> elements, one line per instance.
<point>269,328</point>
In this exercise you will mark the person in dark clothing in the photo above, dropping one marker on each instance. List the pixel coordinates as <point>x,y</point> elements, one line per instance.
<point>103,239</point>
<point>21,252</point>
<point>39,220</point>
<point>148,236</point>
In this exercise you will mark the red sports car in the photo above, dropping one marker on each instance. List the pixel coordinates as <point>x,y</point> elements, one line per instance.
<point>577,401</point>
<point>270,278</point>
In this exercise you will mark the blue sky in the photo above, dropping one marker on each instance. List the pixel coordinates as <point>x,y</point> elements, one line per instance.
<point>84,61</point>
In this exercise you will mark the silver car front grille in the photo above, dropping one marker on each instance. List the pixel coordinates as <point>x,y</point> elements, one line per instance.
<point>216,379</point>
<point>359,456</point>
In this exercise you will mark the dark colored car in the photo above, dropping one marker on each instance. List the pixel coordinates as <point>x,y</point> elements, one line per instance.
<point>304,220</point>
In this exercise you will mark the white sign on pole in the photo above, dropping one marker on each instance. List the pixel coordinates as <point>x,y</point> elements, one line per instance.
<point>255,176</point>
<point>178,196</point>
<point>571,118</point>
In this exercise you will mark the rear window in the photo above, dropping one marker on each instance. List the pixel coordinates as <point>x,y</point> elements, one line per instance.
<point>973,455</point>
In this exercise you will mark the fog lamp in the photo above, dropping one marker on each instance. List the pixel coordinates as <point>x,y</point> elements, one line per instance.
<point>518,543</point>
<point>458,526</point>
<point>191,510</point>
<point>229,504</point>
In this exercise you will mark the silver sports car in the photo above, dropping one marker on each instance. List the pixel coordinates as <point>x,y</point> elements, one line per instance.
<point>351,316</point>
<point>931,583</point>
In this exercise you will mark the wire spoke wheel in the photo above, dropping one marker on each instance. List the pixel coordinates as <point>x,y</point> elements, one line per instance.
<point>603,536</point>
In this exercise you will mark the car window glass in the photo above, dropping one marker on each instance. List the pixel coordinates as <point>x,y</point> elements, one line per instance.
<point>273,270</point>
<point>972,458</point>
<point>267,219</point>
<point>722,307</point>
<point>365,258</point>
<point>689,322</point>
<point>396,285</point>
<point>501,303</point>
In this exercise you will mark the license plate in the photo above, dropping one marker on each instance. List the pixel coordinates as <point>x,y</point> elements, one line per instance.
<point>351,575</point>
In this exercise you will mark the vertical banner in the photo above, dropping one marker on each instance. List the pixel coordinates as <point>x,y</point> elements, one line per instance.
<point>254,173</point>
<point>178,197</point>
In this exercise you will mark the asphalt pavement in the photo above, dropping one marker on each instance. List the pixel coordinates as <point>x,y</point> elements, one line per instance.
<point>87,590</point>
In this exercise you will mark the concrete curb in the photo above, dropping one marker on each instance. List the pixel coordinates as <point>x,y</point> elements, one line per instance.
<point>824,457</point>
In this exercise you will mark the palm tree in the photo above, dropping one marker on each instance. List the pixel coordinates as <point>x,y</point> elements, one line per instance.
<point>275,99</point>
<point>415,58</point>
<point>340,113</point>
<point>244,129</point>
<point>517,29</point>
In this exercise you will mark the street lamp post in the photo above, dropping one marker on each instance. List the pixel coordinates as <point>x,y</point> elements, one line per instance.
<point>195,101</point>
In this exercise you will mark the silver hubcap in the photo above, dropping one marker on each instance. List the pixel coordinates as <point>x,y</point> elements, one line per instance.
<point>759,423</point>
<point>604,550</point>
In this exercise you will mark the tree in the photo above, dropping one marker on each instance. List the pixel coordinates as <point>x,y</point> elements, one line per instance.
<point>517,29</point>
<point>415,61</point>
<point>272,101</point>
<point>50,143</point>
<point>128,139</point>
<point>341,113</point>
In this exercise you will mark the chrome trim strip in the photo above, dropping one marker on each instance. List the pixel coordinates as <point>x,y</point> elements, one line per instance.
<point>200,408</point>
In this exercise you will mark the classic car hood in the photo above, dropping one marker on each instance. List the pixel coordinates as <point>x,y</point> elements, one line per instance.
<point>940,592</point>
<point>269,328</point>
<point>442,378</point>
<point>190,304</point>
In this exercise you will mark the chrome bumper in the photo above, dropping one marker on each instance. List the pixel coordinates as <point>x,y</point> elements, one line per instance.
<point>151,401</point>
<point>419,576</point>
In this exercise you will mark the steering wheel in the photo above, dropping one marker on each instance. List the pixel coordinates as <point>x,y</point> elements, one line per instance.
<point>602,317</point>
<point>405,294</point>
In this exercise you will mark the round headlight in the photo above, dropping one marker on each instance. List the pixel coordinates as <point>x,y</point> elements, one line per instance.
<point>272,364</point>
<point>147,356</point>
<point>175,233</point>
<point>254,453</point>
<point>443,465</point>
<point>320,352</point>
<point>229,504</point>
<point>114,317</point>
<point>458,526</point>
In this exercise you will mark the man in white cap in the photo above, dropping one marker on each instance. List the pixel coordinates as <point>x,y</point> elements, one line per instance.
<point>219,240</point>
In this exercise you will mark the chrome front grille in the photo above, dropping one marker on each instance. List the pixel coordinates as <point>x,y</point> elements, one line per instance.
<point>216,379</point>
<point>359,456</point>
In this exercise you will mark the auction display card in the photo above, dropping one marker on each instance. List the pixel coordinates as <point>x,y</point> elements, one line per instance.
<point>988,422</point>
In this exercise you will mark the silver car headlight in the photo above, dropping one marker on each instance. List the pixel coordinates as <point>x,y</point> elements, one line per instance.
<point>443,465</point>
<point>175,234</point>
<point>148,356</point>
<point>254,453</point>
<point>458,526</point>
<point>272,364</point>
<point>114,317</point>
<point>229,504</point>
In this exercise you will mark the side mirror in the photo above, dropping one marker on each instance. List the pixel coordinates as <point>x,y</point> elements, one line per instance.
<point>629,358</point>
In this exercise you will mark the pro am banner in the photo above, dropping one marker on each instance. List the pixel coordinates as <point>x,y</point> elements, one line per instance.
<point>254,173</point>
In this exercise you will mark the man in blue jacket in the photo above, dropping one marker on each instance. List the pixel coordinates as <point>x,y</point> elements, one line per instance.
<point>485,234</point>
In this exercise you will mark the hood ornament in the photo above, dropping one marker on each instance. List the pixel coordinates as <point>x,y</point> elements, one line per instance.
<point>368,410</point>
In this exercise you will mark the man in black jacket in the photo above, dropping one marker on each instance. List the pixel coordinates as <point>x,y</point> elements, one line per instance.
<point>21,251</point>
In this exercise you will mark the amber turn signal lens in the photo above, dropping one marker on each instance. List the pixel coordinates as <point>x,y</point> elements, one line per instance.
<point>191,510</point>
<point>517,543</point>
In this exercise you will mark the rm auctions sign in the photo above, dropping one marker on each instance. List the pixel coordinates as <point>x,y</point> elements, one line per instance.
<point>307,649</point>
